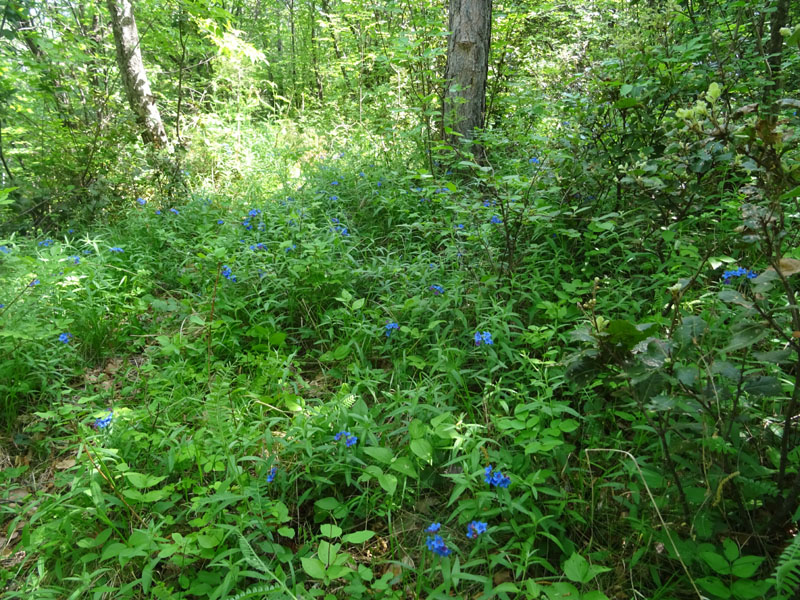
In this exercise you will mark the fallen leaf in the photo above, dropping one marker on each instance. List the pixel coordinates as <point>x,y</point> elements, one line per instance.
<point>66,463</point>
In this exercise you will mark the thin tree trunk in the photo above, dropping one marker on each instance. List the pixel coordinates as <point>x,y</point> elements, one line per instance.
<point>467,68</point>
<point>134,77</point>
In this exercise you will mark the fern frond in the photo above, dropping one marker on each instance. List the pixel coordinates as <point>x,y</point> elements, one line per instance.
<point>787,570</point>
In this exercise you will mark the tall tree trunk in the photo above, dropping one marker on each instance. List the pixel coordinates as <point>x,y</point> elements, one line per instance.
<point>134,77</point>
<point>467,68</point>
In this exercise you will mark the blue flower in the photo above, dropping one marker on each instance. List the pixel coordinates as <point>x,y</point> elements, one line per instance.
<point>2,305</point>
<point>34,282</point>
<point>349,439</point>
<point>334,220</point>
<point>141,201</point>
<point>220,222</point>
<point>174,211</point>
<point>459,226</point>
<point>271,474</point>
<point>334,182</point>
<point>728,275</point>
<point>116,249</point>
<point>534,161</point>
<point>334,197</point>
<point>158,212</point>
<point>246,224</point>
<point>254,212</point>
<point>46,243</point>
<point>496,478</point>
<point>475,528</point>
<point>436,545</point>
<point>64,338</point>
<point>437,290</point>
<point>496,220</point>
<point>362,174</point>
<point>433,527</point>
<point>483,338</point>
<point>292,247</point>
<point>70,231</point>
<point>5,249</point>
<point>380,183</point>
<point>75,259</point>
<point>103,422</point>
<point>228,274</point>
<point>389,327</point>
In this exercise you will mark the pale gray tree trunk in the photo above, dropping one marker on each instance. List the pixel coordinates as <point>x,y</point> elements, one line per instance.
<point>134,77</point>
<point>467,67</point>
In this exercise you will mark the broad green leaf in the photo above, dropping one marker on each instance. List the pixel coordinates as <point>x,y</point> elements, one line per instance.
<point>141,481</point>
<point>379,453</point>
<point>405,466</point>
<point>358,537</point>
<point>422,448</point>
<point>313,567</point>
<point>329,530</point>
<point>388,482</point>
<point>716,562</point>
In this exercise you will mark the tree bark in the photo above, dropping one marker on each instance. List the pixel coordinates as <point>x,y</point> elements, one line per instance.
<point>467,68</point>
<point>134,76</point>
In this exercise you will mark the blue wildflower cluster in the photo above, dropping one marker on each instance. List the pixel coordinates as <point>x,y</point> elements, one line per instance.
<point>34,283</point>
<point>174,211</point>
<point>75,259</point>
<point>141,201</point>
<point>475,528</point>
<point>103,422</point>
<point>389,327</point>
<point>483,338</point>
<point>437,546</point>
<point>254,212</point>
<point>228,274</point>
<point>534,161</point>
<point>64,338</point>
<point>258,246</point>
<point>116,249</point>
<point>437,290</point>
<point>271,475</point>
<point>495,478</point>
<point>496,220</point>
<point>740,272</point>
<point>349,439</point>
<point>292,247</point>
<point>46,243</point>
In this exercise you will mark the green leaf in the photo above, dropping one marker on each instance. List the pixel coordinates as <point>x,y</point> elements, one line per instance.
<point>328,503</point>
<point>713,585</point>
<point>746,566</point>
<point>357,304</point>
<point>379,453</point>
<point>730,549</point>
<point>625,333</point>
<point>329,530</point>
<point>747,335</point>
<point>313,567</point>
<point>327,552</point>
<point>423,449</point>
<point>141,481</point>
<point>763,386</point>
<point>576,568</point>
<point>358,537</point>
<point>388,482</point>
<point>405,466</point>
<point>716,562</point>
<point>624,103</point>
<point>286,532</point>
<point>417,429</point>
